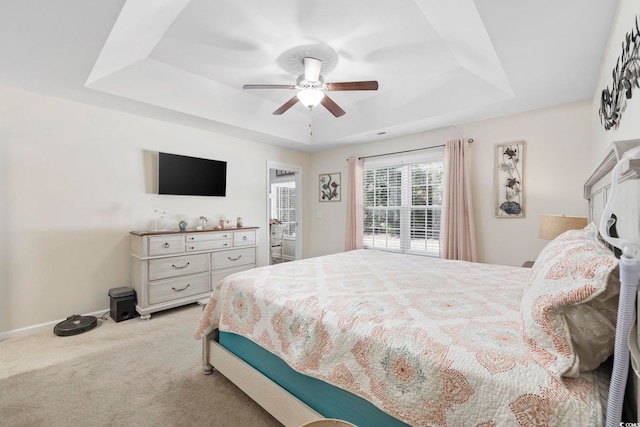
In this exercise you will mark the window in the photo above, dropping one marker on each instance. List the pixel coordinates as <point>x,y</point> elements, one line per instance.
<point>283,205</point>
<point>403,202</point>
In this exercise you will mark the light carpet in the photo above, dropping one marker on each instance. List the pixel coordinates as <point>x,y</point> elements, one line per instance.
<point>127,373</point>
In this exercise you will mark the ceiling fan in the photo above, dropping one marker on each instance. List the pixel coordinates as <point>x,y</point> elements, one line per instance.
<point>311,89</point>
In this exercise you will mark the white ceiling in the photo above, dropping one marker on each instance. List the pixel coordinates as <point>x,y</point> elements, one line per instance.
<point>438,63</point>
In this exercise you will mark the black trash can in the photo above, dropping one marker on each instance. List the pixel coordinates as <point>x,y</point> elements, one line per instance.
<point>123,303</point>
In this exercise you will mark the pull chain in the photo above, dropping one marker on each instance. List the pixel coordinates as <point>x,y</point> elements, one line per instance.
<point>310,124</point>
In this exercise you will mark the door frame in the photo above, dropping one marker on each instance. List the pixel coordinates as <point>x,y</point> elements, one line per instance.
<point>298,179</point>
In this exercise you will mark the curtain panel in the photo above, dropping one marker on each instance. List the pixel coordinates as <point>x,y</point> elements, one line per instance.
<point>457,233</point>
<point>355,207</point>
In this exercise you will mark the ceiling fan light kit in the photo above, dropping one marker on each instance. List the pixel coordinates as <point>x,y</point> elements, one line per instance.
<point>310,97</point>
<point>311,89</point>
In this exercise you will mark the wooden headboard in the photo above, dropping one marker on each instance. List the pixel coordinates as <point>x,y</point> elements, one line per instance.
<point>597,186</point>
<point>627,210</point>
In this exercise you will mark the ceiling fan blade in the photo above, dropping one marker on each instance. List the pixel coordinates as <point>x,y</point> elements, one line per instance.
<point>290,103</point>
<point>330,105</point>
<point>312,69</point>
<point>367,85</point>
<point>269,87</point>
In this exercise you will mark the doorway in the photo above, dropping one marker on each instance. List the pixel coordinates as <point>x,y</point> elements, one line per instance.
<point>284,207</point>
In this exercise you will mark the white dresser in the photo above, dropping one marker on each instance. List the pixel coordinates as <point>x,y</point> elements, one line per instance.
<point>173,268</point>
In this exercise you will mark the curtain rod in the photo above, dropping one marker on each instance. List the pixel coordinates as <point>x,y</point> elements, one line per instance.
<point>470,140</point>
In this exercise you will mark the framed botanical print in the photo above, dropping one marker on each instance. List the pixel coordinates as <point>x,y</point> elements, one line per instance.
<point>329,187</point>
<point>509,170</point>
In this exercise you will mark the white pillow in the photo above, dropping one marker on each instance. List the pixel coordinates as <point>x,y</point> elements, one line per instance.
<point>569,307</point>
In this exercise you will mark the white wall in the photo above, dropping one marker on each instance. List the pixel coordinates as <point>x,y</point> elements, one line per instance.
<point>629,127</point>
<point>558,160</point>
<point>75,179</point>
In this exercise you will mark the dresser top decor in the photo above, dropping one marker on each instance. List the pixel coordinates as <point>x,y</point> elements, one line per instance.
<point>208,230</point>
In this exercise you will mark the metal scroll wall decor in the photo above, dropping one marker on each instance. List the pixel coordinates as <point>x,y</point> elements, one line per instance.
<point>626,76</point>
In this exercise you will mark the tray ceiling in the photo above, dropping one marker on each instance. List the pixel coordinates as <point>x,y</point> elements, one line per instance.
<point>437,63</point>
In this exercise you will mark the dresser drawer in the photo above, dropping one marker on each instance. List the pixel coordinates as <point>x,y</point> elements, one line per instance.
<point>244,238</point>
<point>233,258</point>
<point>166,245</point>
<point>182,287</point>
<point>203,237</point>
<point>218,275</point>
<point>206,245</point>
<point>164,268</point>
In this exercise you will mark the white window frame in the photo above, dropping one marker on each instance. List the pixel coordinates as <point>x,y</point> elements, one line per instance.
<point>403,243</point>
<point>276,206</point>
<point>269,178</point>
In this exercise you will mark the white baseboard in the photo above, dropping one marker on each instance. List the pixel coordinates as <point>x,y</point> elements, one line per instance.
<point>42,327</point>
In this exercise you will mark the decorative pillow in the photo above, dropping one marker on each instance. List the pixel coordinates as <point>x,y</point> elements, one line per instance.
<point>570,304</point>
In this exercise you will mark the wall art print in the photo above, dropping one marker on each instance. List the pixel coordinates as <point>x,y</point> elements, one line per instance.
<point>626,76</point>
<point>510,180</point>
<point>330,189</point>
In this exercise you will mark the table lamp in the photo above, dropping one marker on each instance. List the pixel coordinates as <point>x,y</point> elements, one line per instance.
<point>551,226</point>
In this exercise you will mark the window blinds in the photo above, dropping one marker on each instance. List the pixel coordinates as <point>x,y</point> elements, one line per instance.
<point>283,205</point>
<point>403,201</point>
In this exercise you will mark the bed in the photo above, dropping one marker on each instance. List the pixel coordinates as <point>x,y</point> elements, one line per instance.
<point>385,339</point>
<point>395,330</point>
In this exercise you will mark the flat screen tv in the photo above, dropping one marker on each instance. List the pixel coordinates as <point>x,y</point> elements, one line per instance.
<point>191,176</point>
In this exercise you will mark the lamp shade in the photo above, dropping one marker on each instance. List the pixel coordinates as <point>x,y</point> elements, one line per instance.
<point>551,226</point>
<point>310,97</point>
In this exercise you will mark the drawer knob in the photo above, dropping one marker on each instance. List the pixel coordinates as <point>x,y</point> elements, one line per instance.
<point>225,244</point>
<point>244,237</point>
<point>190,238</point>
<point>181,289</point>
<point>180,267</point>
<point>234,259</point>
<point>192,247</point>
<point>166,245</point>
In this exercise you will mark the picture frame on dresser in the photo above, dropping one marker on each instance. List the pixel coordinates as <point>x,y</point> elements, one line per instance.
<point>174,268</point>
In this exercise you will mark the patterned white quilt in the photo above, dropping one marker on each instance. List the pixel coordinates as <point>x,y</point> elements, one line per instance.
<point>431,342</point>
